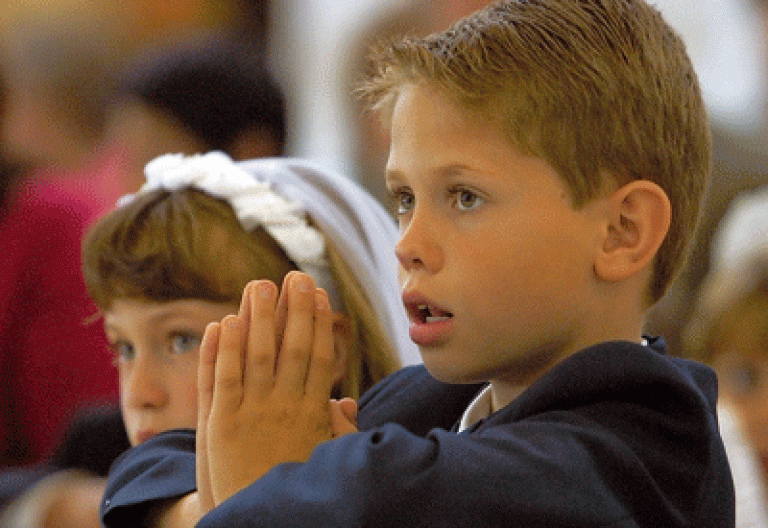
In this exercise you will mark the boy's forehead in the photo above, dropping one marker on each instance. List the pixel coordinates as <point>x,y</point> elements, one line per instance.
<point>432,133</point>
<point>422,114</point>
<point>436,104</point>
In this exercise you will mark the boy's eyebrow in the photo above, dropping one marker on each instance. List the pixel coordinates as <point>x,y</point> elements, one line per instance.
<point>444,171</point>
<point>392,175</point>
<point>453,169</point>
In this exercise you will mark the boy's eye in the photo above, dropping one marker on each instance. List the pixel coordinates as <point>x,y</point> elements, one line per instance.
<point>466,200</point>
<point>122,350</point>
<point>403,201</point>
<point>184,342</point>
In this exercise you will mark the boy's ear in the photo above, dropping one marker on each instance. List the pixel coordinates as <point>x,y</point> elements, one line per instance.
<point>342,339</point>
<point>639,216</point>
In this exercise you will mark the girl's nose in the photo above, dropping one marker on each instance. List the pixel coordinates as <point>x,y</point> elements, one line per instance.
<point>143,385</point>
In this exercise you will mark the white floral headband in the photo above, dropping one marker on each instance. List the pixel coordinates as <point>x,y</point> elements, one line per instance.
<point>254,203</point>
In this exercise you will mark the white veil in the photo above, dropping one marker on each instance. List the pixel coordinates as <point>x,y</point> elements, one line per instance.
<point>357,225</point>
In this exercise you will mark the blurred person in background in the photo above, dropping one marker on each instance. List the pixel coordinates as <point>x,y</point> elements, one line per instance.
<point>729,331</point>
<point>55,113</point>
<point>206,94</point>
<point>739,164</point>
<point>9,170</point>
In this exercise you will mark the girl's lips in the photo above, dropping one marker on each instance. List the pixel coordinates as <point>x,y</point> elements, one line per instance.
<point>144,435</point>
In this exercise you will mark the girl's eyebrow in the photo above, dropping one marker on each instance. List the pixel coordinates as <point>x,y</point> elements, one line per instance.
<point>152,318</point>
<point>113,329</point>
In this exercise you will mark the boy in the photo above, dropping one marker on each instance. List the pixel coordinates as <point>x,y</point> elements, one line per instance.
<point>547,162</point>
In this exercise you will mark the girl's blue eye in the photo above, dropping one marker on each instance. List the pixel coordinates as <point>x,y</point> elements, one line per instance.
<point>122,350</point>
<point>184,342</point>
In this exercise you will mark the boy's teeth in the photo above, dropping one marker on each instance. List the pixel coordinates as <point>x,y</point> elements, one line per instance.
<point>432,315</point>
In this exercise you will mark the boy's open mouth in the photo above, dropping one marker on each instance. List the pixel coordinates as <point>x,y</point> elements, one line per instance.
<point>425,313</point>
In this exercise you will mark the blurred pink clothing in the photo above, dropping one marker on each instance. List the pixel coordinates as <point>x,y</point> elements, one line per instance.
<point>52,361</point>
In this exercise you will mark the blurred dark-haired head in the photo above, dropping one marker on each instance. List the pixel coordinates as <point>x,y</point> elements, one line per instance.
<point>216,90</point>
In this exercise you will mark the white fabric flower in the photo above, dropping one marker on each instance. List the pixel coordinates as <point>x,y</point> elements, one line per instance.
<point>253,201</point>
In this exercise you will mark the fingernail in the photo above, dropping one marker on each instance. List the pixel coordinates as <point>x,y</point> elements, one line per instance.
<point>264,290</point>
<point>303,283</point>
<point>321,300</point>
<point>245,304</point>
<point>231,321</point>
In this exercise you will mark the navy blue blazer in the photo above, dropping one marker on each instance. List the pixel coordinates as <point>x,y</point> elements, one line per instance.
<point>618,435</point>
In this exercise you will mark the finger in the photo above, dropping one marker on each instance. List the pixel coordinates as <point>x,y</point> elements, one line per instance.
<point>206,376</point>
<point>261,354</point>
<point>204,490</point>
<point>341,423</point>
<point>296,349</point>
<point>349,409</point>
<point>320,372</point>
<point>245,309</point>
<point>281,313</point>
<point>228,385</point>
<point>206,372</point>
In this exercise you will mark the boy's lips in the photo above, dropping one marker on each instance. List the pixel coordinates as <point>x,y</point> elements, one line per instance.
<point>430,323</point>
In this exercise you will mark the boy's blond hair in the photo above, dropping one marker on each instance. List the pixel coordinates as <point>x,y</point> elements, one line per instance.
<point>597,88</point>
<point>171,245</point>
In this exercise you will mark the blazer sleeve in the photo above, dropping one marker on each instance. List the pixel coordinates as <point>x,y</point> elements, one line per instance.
<point>161,468</point>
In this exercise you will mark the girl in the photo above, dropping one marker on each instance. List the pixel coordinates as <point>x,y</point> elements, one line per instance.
<point>177,255</point>
<point>729,331</point>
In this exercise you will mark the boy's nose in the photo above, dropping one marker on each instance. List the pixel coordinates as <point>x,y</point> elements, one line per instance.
<point>144,386</point>
<point>419,247</point>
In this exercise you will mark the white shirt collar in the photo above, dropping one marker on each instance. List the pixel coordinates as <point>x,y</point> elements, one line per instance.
<point>479,408</point>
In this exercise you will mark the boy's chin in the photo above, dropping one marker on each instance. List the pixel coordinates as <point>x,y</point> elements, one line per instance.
<point>446,374</point>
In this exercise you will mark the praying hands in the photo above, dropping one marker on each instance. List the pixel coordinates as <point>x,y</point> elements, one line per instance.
<point>265,378</point>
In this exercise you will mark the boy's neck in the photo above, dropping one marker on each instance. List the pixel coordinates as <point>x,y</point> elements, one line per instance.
<point>503,393</point>
<point>504,390</point>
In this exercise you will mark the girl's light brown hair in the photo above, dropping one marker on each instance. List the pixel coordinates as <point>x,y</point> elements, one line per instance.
<point>165,246</point>
<point>185,244</point>
<point>598,88</point>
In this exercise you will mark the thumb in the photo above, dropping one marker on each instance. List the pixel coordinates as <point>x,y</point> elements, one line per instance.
<point>343,417</point>
<point>348,407</point>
